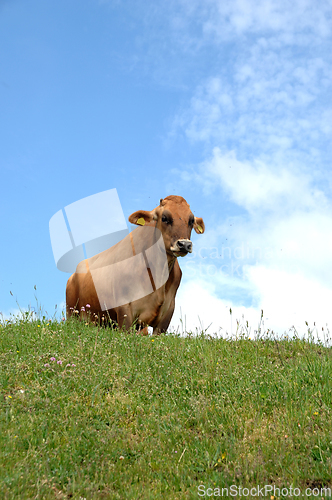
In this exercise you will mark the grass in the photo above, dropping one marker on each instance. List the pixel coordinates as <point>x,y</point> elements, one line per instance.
<point>131,417</point>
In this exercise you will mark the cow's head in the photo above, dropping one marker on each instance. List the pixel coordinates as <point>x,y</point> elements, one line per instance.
<point>175,220</point>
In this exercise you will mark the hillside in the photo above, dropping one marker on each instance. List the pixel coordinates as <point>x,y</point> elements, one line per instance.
<point>91,413</point>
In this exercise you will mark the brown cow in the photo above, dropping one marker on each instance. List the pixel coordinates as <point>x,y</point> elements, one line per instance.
<point>136,280</point>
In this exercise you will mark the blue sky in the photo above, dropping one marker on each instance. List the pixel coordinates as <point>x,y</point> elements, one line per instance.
<point>227,104</point>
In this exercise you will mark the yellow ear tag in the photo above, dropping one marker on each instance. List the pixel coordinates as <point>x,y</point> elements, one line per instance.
<point>141,221</point>
<point>200,229</point>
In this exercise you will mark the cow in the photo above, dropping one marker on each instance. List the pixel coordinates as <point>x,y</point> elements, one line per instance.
<point>135,281</point>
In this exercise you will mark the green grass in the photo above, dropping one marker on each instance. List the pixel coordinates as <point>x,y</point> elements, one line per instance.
<point>154,418</point>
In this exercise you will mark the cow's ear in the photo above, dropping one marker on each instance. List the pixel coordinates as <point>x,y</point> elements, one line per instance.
<point>141,217</point>
<point>199,225</point>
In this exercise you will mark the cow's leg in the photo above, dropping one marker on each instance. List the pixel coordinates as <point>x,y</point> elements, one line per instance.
<point>72,297</point>
<point>164,323</point>
<point>141,329</point>
<point>124,317</point>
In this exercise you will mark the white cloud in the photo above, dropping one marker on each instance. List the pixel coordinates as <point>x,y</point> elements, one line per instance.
<point>287,300</point>
<point>268,97</point>
<point>277,257</point>
<point>237,17</point>
<point>291,298</point>
<point>34,313</point>
<point>255,185</point>
<point>270,103</point>
<point>285,211</point>
<point>200,309</point>
<point>13,314</point>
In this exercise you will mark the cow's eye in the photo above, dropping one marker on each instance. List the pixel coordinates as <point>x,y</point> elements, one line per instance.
<point>191,222</point>
<point>164,219</point>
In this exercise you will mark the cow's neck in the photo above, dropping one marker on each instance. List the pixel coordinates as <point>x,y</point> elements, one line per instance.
<point>171,261</point>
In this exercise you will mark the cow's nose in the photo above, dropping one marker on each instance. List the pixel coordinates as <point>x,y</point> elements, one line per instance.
<point>185,246</point>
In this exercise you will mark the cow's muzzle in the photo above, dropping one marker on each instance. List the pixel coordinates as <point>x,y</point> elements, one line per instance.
<point>182,247</point>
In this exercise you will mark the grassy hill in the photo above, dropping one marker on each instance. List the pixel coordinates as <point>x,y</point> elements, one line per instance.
<point>91,413</point>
